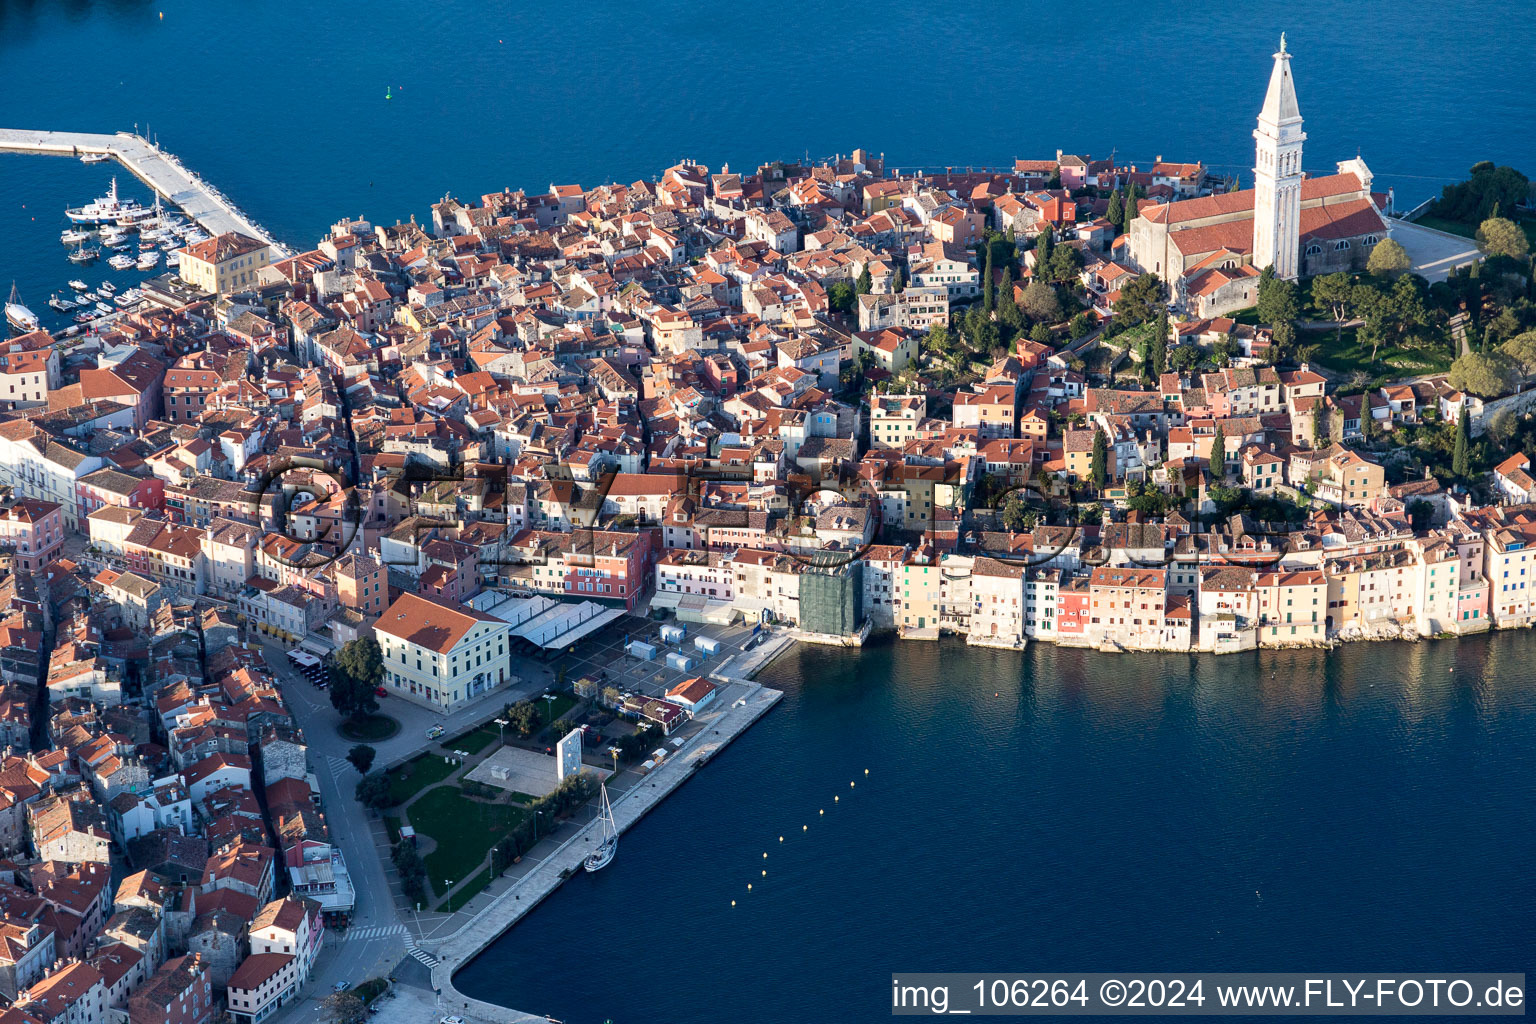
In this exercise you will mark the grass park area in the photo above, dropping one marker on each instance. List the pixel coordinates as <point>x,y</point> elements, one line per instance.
<point>562,702</point>
<point>462,891</point>
<point>464,830</point>
<point>417,774</point>
<point>1342,352</point>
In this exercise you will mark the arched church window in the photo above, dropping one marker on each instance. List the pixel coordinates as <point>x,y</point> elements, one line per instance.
<point>1314,250</point>
<point>1371,240</point>
<point>1341,245</point>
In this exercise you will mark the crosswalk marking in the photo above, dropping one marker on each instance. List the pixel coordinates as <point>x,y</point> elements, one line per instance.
<point>339,765</point>
<point>427,959</point>
<point>374,932</point>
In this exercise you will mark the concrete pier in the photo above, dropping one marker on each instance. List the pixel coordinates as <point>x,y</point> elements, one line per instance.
<point>744,703</point>
<point>158,169</point>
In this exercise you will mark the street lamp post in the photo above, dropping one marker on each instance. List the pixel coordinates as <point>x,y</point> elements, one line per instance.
<point>501,738</point>
<point>549,703</point>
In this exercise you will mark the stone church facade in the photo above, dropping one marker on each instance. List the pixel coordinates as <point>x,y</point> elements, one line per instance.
<point>1211,249</point>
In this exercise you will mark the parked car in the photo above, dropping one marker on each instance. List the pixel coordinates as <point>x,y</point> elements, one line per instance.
<point>378,691</point>
<point>451,1020</point>
<point>434,732</point>
<point>341,986</point>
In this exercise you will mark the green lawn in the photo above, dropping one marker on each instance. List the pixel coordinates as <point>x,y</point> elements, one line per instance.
<point>1342,352</point>
<point>463,891</point>
<point>1456,227</point>
<point>475,740</point>
<point>562,703</point>
<point>465,831</point>
<point>414,776</point>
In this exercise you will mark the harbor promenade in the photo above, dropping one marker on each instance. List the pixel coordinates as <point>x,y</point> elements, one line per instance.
<point>160,170</point>
<point>743,703</point>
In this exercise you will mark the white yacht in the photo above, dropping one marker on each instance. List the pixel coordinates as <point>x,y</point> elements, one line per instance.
<point>148,260</point>
<point>122,262</point>
<point>107,288</point>
<point>17,314</point>
<point>106,210</point>
<point>608,844</point>
<point>79,285</point>
<point>95,158</point>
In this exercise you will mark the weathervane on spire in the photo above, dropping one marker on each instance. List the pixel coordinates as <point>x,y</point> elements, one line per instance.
<point>1282,42</point>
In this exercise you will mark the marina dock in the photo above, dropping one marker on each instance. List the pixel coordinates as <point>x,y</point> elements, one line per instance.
<point>160,170</point>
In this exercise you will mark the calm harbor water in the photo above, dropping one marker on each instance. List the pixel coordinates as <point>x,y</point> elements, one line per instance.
<point>282,104</point>
<point>1369,808</point>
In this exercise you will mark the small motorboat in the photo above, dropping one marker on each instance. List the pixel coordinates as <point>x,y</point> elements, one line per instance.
<point>84,255</point>
<point>74,236</point>
<point>122,262</point>
<point>79,285</point>
<point>84,318</point>
<point>149,260</point>
<point>107,288</point>
<point>103,308</point>
<point>95,158</point>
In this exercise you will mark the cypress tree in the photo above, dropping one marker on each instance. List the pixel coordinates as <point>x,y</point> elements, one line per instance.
<point>1160,344</point>
<point>1116,212</point>
<point>988,292</point>
<point>1098,466</point>
<point>1461,456</point>
<point>1043,246</point>
<point>1219,453</point>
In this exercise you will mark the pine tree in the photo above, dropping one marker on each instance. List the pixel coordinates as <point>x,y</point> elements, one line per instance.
<point>1461,456</point>
<point>1098,466</point>
<point>988,293</point>
<point>1219,453</point>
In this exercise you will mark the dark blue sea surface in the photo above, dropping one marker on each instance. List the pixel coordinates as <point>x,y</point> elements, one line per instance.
<point>282,104</point>
<point>1365,809</point>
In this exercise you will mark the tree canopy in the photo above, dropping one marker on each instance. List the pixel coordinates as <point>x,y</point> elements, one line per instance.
<point>1277,298</point>
<point>1487,190</point>
<point>1521,349</point>
<point>1500,236</point>
<point>1140,300</point>
<point>1485,374</point>
<point>362,757</point>
<point>356,671</point>
<point>1040,303</point>
<point>1387,259</point>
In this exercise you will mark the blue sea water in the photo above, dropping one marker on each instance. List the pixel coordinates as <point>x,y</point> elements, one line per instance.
<point>1365,809</point>
<point>282,104</point>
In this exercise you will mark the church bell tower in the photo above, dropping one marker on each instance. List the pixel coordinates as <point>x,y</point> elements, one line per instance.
<point>1277,174</point>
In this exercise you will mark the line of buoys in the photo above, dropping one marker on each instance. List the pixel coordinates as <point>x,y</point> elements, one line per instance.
<point>821,812</point>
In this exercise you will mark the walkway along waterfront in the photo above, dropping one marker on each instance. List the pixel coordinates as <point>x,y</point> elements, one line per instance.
<point>746,703</point>
<point>158,169</point>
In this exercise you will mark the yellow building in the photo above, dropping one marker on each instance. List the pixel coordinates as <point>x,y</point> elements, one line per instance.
<point>224,264</point>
